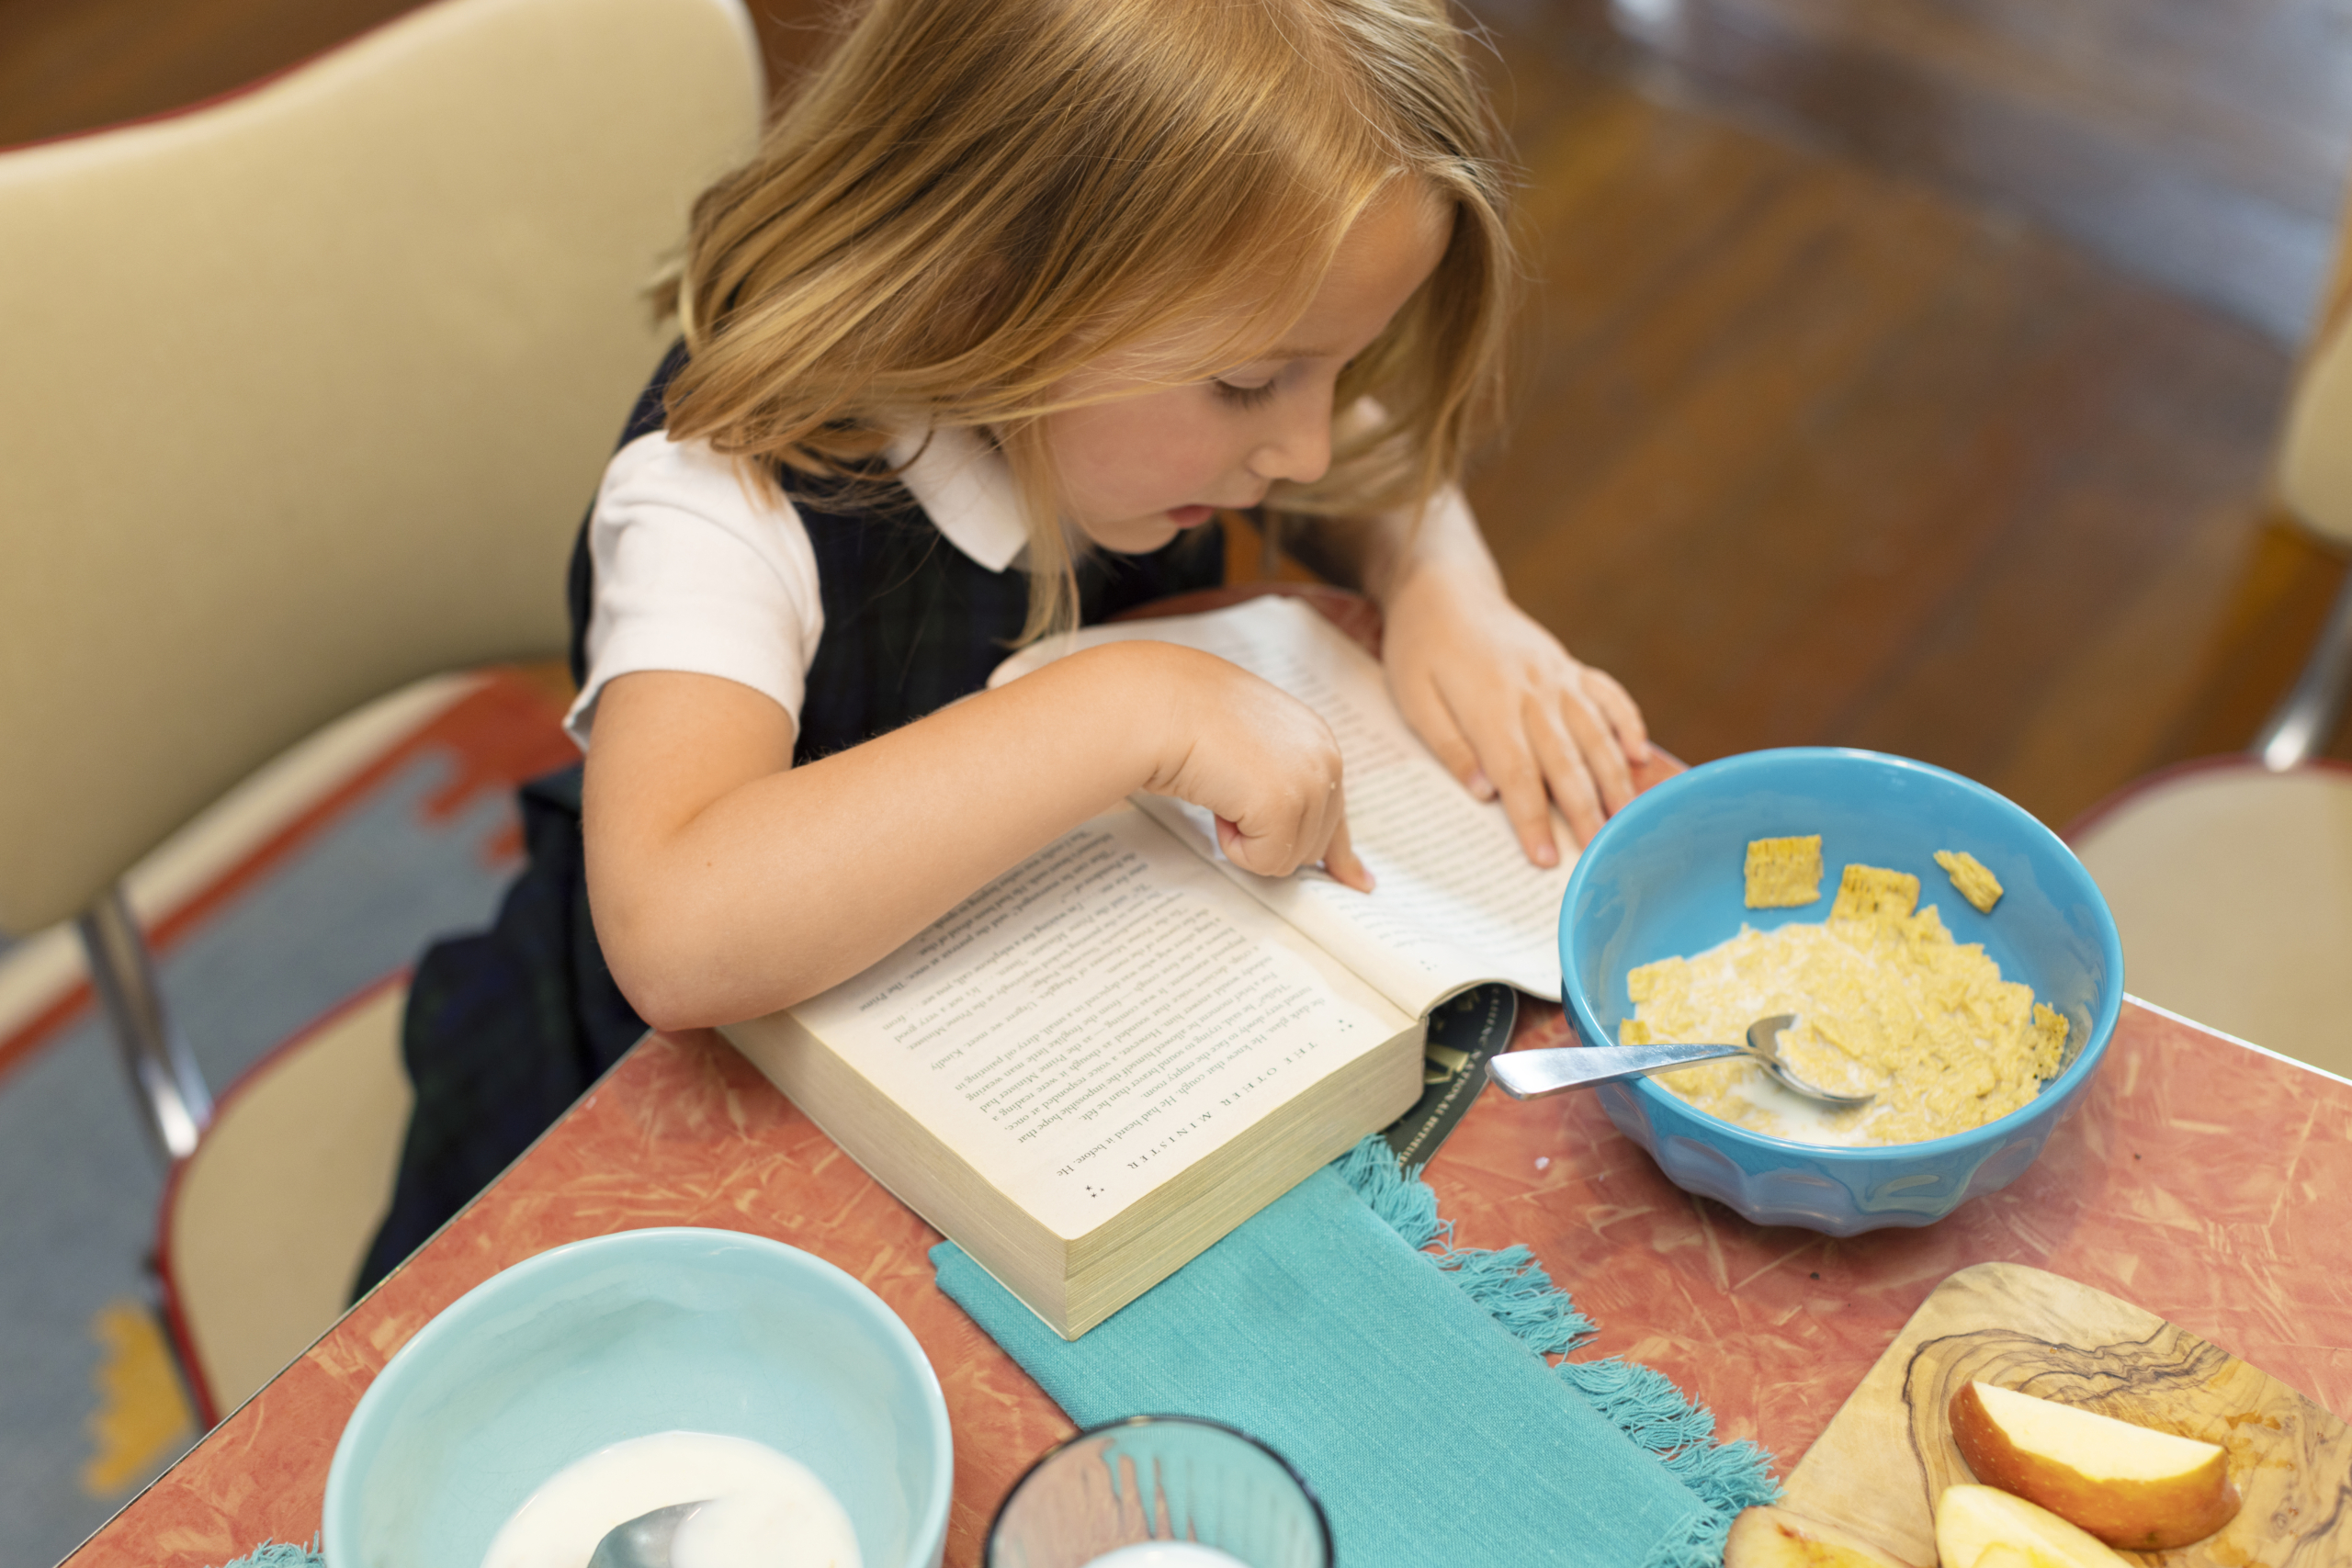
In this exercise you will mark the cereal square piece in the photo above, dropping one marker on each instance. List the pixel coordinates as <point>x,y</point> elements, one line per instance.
<point>1873,894</point>
<point>1636,1032</point>
<point>1642,985</point>
<point>2050,1031</point>
<point>1976,885</point>
<point>1783,873</point>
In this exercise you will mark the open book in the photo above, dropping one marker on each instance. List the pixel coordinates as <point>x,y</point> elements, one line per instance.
<point>1092,1068</point>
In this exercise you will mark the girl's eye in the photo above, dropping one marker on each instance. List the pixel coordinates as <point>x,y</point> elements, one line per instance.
<point>1243,397</point>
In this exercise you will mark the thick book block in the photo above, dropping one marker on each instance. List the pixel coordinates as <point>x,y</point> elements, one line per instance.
<point>1098,1065</point>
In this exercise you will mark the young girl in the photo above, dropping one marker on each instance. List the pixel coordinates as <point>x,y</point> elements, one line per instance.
<point>1015,297</point>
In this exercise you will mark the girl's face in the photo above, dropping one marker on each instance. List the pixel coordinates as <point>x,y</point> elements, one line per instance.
<point>1151,459</point>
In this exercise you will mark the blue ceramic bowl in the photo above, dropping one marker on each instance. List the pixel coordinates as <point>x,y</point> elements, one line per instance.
<point>645,1331</point>
<point>1664,878</point>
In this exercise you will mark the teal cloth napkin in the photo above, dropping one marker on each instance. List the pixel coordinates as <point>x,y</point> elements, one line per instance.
<point>1406,1386</point>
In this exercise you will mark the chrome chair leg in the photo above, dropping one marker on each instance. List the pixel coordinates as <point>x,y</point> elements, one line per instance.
<point>174,1103</point>
<point>2302,725</point>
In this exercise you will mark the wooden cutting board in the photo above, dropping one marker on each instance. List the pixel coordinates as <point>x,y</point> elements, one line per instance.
<point>1888,1454</point>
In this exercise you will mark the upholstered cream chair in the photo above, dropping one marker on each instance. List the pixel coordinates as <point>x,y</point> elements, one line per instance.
<point>2231,879</point>
<point>301,396</point>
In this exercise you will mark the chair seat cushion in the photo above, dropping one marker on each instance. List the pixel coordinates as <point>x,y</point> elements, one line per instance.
<point>263,1225</point>
<point>2232,888</point>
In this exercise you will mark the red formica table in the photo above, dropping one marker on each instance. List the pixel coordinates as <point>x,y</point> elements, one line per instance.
<point>2203,1179</point>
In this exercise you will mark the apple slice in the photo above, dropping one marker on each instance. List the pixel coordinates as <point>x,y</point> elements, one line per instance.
<point>1776,1538</point>
<point>2001,1554</point>
<point>2131,1486</point>
<point>1974,1523</point>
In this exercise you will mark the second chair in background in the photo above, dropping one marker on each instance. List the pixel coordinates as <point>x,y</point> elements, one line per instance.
<point>2230,878</point>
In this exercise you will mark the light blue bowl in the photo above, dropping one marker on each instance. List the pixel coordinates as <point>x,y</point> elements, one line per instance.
<point>1664,878</point>
<point>645,1331</point>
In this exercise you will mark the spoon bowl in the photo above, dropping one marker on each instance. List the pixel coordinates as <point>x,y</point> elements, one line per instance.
<point>1763,1048</point>
<point>643,1542</point>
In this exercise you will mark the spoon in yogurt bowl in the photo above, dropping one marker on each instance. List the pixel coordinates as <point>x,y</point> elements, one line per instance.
<point>643,1542</point>
<point>1530,1075</point>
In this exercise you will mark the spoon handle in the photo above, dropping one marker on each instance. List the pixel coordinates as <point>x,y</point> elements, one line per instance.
<point>1526,1074</point>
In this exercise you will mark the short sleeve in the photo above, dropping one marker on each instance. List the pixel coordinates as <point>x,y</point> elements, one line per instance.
<point>697,570</point>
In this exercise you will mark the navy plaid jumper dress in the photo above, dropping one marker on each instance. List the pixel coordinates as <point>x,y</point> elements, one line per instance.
<point>507,1028</point>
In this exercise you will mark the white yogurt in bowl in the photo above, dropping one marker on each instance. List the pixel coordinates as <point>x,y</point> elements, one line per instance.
<point>765,1510</point>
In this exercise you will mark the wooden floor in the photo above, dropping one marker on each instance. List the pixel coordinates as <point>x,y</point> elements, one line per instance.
<point>2202,143</point>
<point>1902,373</point>
<point>1814,451</point>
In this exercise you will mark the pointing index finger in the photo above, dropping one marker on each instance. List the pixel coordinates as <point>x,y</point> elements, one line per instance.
<point>1341,860</point>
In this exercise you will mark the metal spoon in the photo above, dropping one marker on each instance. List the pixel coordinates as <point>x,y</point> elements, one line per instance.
<point>643,1542</point>
<point>1527,1075</point>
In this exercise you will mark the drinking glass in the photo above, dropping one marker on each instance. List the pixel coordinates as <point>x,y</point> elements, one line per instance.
<point>1159,1492</point>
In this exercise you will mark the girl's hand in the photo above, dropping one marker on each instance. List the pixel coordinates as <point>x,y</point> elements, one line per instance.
<point>1505,707</point>
<point>1263,762</point>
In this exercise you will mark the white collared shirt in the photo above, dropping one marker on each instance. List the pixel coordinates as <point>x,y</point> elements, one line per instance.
<point>698,569</point>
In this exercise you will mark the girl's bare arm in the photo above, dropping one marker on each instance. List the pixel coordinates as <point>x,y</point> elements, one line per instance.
<point>726,883</point>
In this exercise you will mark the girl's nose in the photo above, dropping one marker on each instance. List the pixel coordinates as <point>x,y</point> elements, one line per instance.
<point>1297,446</point>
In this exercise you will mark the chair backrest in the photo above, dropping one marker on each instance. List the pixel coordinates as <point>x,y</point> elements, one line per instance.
<point>304,391</point>
<point>2315,459</point>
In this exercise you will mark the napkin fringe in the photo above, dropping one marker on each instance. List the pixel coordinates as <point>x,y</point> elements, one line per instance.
<point>281,1554</point>
<point>1640,1402</point>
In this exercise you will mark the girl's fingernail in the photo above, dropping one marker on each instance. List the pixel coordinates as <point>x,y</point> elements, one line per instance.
<point>1480,786</point>
<point>1546,855</point>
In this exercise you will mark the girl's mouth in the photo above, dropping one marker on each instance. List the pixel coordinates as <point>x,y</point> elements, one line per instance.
<point>1189,516</point>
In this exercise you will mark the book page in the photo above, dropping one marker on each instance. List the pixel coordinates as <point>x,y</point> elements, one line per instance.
<point>1097,1019</point>
<point>1456,902</point>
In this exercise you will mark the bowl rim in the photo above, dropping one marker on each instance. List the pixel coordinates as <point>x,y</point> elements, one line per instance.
<point>452,1321</point>
<point>1150,1418</point>
<point>2057,1092</point>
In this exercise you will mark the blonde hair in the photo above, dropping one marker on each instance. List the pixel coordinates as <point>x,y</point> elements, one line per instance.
<point>972,199</point>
